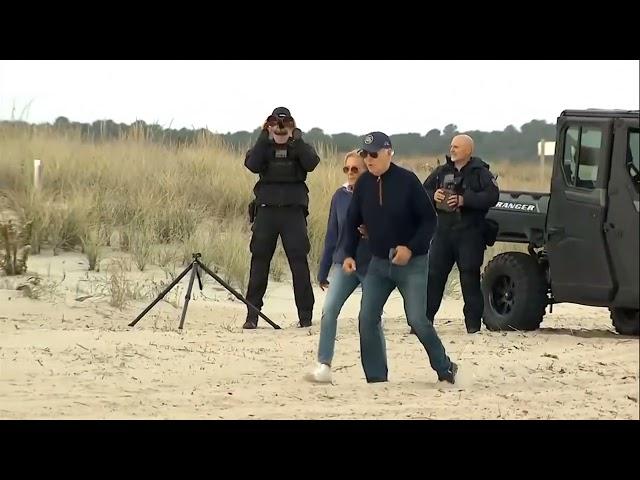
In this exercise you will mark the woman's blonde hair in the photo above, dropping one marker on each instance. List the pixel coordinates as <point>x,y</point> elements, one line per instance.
<point>352,153</point>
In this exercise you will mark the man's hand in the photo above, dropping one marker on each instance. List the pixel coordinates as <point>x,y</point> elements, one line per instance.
<point>403,255</point>
<point>265,135</point>
<point>363,231</point>
<point>455,201</point>
<point>349,265</point>
<point>295,140</point>
<point>324,285</point>
<point>283,137</point>
<point>270,129</point>
<point>438,196</point>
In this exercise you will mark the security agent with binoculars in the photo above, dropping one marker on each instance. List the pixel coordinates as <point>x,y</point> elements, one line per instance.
<point>282,160</point>
<point>463,190</point>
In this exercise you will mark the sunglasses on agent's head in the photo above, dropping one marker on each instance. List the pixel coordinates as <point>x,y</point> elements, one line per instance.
<point>272,121</point>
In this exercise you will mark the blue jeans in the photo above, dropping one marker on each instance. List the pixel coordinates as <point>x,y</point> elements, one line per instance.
<point>411,280</point>
<point>341,285</point>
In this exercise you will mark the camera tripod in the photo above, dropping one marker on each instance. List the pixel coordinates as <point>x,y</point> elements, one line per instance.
<point>195,267</point>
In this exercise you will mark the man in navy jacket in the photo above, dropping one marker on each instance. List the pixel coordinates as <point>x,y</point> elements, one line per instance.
<point>400,219</point>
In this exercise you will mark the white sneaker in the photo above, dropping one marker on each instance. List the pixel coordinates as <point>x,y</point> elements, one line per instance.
<point>321,374</point>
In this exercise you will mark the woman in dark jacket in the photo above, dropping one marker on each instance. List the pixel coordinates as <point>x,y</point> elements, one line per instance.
<point>330,274</point>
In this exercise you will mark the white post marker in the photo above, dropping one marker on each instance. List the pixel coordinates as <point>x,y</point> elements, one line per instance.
<point>37,174</point>
<point>545,149</point>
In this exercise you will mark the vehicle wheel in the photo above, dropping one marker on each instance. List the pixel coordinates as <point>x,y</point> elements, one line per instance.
<point>514,288</point>
<point>626,321</point>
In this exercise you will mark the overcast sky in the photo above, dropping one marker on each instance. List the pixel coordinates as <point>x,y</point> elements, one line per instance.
<point>353,96</point>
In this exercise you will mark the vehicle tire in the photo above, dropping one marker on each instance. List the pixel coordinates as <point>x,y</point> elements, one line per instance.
<point>626,321</point>
<point>514,288</point>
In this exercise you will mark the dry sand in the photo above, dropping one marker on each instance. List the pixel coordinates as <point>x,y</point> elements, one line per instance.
<point>66,358</point>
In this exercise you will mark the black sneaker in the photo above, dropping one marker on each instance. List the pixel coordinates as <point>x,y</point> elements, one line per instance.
<point>305,323</point>
<point>250,324</point>
<point>449,375</point>
<point>473,329</point>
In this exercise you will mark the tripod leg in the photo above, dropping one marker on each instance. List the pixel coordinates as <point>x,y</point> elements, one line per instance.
<point>162,294</point>
<point>199,279</point>
<point>188,295</point>
<point>237,295</point>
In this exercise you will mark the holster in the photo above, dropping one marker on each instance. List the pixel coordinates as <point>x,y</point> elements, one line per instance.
<point>252,208</point>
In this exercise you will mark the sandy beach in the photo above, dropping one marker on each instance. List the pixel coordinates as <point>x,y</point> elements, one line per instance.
<point>70,355</point>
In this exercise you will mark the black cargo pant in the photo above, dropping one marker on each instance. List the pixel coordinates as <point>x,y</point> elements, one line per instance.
<point>465,247</point>
<point>291,225</point>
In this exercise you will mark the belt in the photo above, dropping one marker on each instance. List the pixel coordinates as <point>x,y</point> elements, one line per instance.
<point>272,205</point>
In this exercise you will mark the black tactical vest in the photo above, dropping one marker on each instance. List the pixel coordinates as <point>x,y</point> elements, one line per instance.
<point>283,167</point>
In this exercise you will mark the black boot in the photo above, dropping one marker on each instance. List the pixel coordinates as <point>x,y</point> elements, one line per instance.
<point>251,322</point>
<point>305,319</point>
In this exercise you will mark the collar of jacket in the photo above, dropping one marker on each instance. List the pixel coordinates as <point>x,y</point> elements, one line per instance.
<point>473,163</point>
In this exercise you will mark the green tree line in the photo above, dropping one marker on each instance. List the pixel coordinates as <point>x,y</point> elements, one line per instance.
<point>511,143</point>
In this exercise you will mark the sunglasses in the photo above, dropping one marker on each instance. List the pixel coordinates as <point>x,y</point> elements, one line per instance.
<point>346,169</point>
<point>272,121</point>
<point>364,153</point>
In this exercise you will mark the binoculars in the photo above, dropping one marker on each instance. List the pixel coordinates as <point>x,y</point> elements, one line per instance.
<point>450,186</point>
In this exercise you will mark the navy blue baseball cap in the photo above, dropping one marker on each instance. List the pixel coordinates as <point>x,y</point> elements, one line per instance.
<point>281,112</point>
<point>375,141</point>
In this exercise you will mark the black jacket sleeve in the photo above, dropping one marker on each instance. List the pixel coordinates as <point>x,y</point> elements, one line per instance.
<point>256,158</point>
<point>354,220</point>
<point>426,214</point>
<point>306,155</point>
<point>487,197</point>
<point>431,183</point>
<point>330,241</point>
